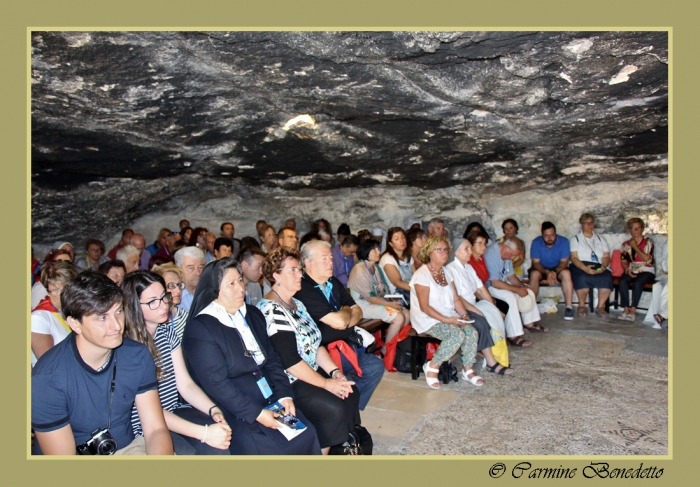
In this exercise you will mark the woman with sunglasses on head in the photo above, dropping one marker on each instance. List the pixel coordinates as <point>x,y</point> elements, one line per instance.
<point>173,277</point>
<point>436,310</point>
<point>199,429</point>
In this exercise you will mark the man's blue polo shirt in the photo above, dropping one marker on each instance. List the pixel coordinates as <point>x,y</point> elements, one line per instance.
<point>550,257</point>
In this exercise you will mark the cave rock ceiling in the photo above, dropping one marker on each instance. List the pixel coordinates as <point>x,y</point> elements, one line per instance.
<point>146,112</point>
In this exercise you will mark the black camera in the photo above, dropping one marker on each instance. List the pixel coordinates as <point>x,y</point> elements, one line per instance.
<point>101,443</point>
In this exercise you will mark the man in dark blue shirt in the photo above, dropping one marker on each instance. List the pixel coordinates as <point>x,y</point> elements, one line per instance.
<point>89,382</point>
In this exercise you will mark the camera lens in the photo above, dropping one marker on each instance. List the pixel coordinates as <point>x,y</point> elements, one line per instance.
<point>107,447</point>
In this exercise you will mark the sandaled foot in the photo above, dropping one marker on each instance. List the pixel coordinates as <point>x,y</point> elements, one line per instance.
<point>601,312</point>
<point>632,317</point>
<point>471,376</point>
<point>433,382</point>
<point>499,369</point>
<point>582,311</point>
<point>537,328</point>
<point>519,342</point>
<point>659,319</point>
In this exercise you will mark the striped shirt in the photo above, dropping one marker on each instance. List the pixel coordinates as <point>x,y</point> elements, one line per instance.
<point>166,341</point>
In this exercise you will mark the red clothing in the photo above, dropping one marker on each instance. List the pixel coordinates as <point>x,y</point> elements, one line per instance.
<point>480,268</point>
<point>112,254</point>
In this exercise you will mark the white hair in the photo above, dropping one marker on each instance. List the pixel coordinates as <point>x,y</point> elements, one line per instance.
<point>127,251</point>
<point>193,252</point>
<point>512,244</point>
<point>307,250</point>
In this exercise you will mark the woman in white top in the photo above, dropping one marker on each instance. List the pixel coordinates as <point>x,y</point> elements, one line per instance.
<point>49,327</point>
<point>397,263</point>
<point>590,257</point>
<point>437,311</point>
<point>484,312</point>
<point>368,286</point>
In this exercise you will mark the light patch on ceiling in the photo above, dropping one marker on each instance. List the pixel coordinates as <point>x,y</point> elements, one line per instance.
<point>579,46</point>
<point>623,75</point>
<point>301,120</point>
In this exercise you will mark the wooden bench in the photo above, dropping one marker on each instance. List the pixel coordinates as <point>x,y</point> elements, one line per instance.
<point>545,283</point>
<point>616,292</point>
<point>370,325</point>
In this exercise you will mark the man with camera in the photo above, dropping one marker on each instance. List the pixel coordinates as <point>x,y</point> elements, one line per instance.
<point>84,387</point>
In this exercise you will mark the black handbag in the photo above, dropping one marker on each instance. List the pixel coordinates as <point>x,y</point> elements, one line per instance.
<point>450,370</point>
<point>363,438</point>
<point>402,359</point>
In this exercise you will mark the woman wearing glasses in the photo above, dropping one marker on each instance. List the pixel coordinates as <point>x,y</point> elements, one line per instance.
<point>329,400</point>
<point>437,311</point>
<point>590,257</point>
<point>199,429</point>
<point>173,277</point>
<point>230,356</point>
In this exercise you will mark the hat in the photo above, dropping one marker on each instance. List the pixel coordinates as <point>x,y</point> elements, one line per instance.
<point>59,244</point>
<point>526,303</point>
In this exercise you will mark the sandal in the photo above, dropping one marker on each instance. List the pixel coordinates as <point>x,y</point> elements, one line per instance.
<point>519,342</point>
<point>433,382</point>
<point>622,317</point>
<point>474,379</point>
<point>582,311</point>
<point>538,328</point>
<point>503,370</point>
<point>659,319</point>
<point>601,312</point>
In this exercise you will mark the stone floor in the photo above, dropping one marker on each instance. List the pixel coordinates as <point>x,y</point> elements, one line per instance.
<point>590,386</point>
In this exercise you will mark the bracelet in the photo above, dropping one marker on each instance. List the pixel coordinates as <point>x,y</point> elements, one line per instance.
<point>333,372</point>
<point>214,406</point>
<point>206,430</point>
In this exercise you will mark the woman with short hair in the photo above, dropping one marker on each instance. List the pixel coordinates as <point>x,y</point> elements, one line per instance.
<point>114,269</point>
<point>437,311</point>
<point>49,326</point>
<point>590,257</point>
<point>173,277</point>
<point>637,259</point>
<point>94,255</point>
<point>327,398</point>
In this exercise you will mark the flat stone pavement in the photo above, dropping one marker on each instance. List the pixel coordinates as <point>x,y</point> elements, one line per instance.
<point>588,386</point>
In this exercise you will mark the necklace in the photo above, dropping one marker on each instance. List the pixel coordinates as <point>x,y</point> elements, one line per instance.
<point>441,279</point>
<point>290,307</point>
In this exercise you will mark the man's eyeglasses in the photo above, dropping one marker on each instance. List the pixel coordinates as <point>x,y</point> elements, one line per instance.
<point>155,304</point>
<point>174,285</point>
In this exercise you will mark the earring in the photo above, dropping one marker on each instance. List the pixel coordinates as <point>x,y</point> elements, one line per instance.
<point>279,284</point>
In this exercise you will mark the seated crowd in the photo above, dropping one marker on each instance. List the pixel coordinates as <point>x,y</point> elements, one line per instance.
<point>211,333</point>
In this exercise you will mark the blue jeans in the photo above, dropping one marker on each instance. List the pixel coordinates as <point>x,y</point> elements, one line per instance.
<point>372,372</point>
